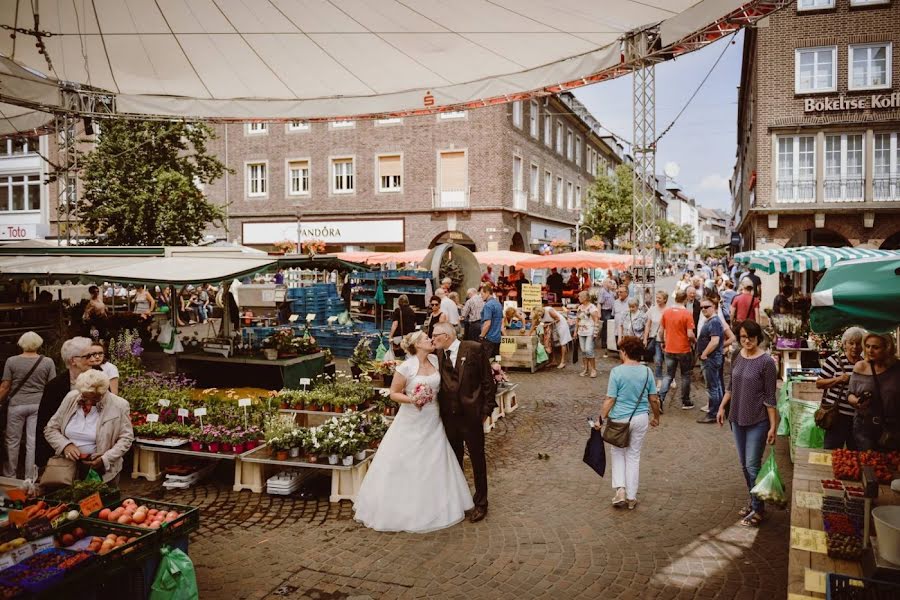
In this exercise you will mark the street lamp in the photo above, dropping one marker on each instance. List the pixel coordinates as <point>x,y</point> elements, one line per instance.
<point>579,225</point>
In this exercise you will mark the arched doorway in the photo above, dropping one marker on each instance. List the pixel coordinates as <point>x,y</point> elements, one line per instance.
<point>518,243</point>
<point>892,242</point>
<point>817,237</point>
<point>453,237</point>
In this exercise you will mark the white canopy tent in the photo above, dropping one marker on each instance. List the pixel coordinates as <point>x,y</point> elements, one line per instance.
<point>317,59</point>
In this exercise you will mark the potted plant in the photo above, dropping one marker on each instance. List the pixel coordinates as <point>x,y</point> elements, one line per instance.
<point>252,435</point>
<point>361,359</point>
<point>387,369</point>
<point>278,448</point>
<point>789,331</point>
<point>212,438</point>
<point>268,348</point>
<point>197,441</point>
<point>311,446</point>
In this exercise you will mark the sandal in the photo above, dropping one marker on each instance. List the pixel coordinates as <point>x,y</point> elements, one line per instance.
<point>754,519</point>
<point>745,511</point>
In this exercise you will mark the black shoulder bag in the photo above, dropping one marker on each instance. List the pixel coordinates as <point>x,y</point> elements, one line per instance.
<point>619,434</point>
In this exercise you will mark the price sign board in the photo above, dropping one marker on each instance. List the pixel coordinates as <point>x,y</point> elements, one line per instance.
<point>531,296</point>
<point>153,418</point>
<point>164,402</point>
<point>507,345</point>
<point>91,504</point>
<point>200,412</point>
<point>183,412</point>
<point>245,402</point>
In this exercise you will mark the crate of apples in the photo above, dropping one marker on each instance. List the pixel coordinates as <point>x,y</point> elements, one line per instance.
<point>130,513</point>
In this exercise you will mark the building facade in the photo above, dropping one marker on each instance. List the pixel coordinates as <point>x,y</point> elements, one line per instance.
<point>713,228</point>
<point>818,159</point>
<point>503,177</point>
<point>24,205</point>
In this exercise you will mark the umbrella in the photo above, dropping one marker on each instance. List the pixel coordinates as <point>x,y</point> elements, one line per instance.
<point>858,292</point>
<point>397,257</point>
<point>582,259</point>
<point>507,258</point>
<point>806,258</point>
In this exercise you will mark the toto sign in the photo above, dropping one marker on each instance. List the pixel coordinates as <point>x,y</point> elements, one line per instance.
<point>10,233</point>
<point>842,103</point>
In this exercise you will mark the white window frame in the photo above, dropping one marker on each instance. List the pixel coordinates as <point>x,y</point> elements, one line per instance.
<point>534,182</point>
<point>342,124</point>
<point>389,121</point>
<point>578,197</point>
<point>548,187</point>
<point>814,5</point>
<point>560,192</point>
<point>842,178</point>
<point>560,132</point>
<point>570,144</point>
<point>264,193</point>
<point>332,175</point>
<point>889,49</point>
<point>257,128</point>
<point>517,115</point>
<point>893,175</point>
<point>570,196</point>
<point>868,2</point>
<point>296,126</point>
<point>388,190</point>
<point>27,147</point>
<point>453,114</point>
<point>439,177</point>
<point>548,130</point>
<point>578,150</point>
<point>29,180</point>
<point>834,70</point>
<point>795,171</point>
<point>289,180</point>
<point>534,119</point>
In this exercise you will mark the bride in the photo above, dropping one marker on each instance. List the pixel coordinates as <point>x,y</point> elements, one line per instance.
<point>414,483</point>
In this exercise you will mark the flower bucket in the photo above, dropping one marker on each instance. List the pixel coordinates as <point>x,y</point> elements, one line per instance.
<point>326,408</point>
<point>333,459</point>
<point>270,354</point>
<point>338,408</point>
<point>312,458</point>
<point>251,444</point>
<point>226,447</point>
<point>197,446</point>
<point>295,452</point>
<point>788,344</point>
<point>281,455</point>
<point>348,461</point>
<point>213,446</point>
<point>361,455</point>
<point>240,448</point>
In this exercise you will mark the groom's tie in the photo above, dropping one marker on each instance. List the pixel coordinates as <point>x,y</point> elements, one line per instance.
<point>449,358</point>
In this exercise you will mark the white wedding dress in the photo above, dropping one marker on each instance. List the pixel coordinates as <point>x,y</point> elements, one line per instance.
<point>414,483</point>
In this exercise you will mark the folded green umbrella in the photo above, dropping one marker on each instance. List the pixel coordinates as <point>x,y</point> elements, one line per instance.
<point>858,292</point>
<point>379,293</point>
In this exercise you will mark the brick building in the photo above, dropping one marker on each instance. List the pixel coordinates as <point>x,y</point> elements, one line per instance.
<point>502,177</point>
<point>818,157</point>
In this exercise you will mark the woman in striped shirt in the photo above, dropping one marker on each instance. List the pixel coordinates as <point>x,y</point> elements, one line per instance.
<point>833,379</point>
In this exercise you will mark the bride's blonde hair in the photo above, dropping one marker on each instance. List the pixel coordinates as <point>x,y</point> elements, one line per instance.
<point>409,341</point>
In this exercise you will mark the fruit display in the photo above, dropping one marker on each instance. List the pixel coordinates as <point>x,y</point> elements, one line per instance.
<point>129,513</point>
<point>847,464</point>
<point>846,547</point>
<point>43,570</point>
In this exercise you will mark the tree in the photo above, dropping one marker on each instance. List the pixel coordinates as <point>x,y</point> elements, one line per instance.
<point>142,184</point>
<point>669,235</point>
<point>609,204</point>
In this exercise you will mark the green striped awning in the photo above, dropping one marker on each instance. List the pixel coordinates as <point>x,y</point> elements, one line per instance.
<point>805,258</point>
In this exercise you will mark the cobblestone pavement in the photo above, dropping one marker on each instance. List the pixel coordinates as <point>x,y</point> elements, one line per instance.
<point>551,531</point>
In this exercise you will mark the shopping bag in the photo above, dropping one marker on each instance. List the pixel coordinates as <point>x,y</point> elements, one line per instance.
<point>783,407</point>
<point>380,350</point>
<point>175,578</point>
<point>92,475</point>
<point>595,452</point>
<point>769,488</point>
<point>810,435</point>
<point>540,354</point>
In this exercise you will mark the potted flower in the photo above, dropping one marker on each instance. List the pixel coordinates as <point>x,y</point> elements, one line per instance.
<point>268,348</point>
<point>361,359</point>
<point>278,448</point>
<point>387,369</point>
<point>197,441</point>
<point>312,247</point>
<point>500,377</point>
<point>311,446</point>
<point>211,432</point>
<point>252,435</point>
<point>789,331</point>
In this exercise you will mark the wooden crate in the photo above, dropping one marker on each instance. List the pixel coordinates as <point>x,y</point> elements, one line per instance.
<point>525,354</point>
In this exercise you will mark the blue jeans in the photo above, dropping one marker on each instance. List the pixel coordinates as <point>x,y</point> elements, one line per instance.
<point>712,371</point>
<point>751,443</point>
<point>586,345</point>
<point>655,348</point>
<point>684,362</point>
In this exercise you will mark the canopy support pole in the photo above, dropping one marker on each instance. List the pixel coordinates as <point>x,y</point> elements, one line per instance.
<point>66,174</point>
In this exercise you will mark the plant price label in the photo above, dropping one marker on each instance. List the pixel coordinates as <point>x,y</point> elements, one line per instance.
<point>310,316</point>
<point>808,540</point>
<point>293,318</point>
<point>91,504</point>
<point>809,500</point>
<point>200,412</point>
<point>164,402</point>
<point>245,402</point>
<point>152,418</point>
<point>305,381</point>
<point>814,581</point>
<point>183,412</point>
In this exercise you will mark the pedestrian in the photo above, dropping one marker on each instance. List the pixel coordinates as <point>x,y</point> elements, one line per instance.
<point>403,322</point>
<point>757,282</point>
<point>96,316</point>
<point>488,276</point>
<point>434,317</point>
<point>630,398</point>
<point>744,306</point>
<point>833,379</point>
<point>588,318</point>
<point>555,284</point>
<point>633,321</point>
<point>24,378</point>
<point>620,308</point>
<point>727,295</point>
<point>628,282</point>
<point>710,345</point>
<point>491,322</point>
<point>560,334</point>
<point>677,333</point>
<point>97,357</point>
<point>783,303</point>
<point>874,390</point>
<point>144,304</point>
<point>651,334</point>
<point>752,414</point>
<point>692,304</point>
<point>606,300</point>
<point>470,317</point>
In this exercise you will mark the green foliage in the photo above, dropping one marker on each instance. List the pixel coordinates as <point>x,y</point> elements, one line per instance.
<point>139,184</point>
<point>670,235</point>
<point>608,210</point>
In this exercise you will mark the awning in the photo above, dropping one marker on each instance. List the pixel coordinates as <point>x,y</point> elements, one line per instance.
<point>224,59</point>
<point>582,259</point>
<point>806,258</point>
<point>507,258</point>
<point>409,256</point>
<point>858,292</point>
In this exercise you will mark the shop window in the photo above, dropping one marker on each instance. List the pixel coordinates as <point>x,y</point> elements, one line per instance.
<point>870,66</point>
<point>390,173</point>
<point>886,167</point>
<point>342,176</point>
<point>20,193</point>
<point>257,180</point>
<point>298,177</point>
<point>815,69</point>
<point>844,173</point>
<point>796,169</point>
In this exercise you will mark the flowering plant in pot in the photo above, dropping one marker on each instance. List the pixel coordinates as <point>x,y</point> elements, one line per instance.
<point>252,436</point>
<point>197,441</point>
<point>361,359</point>
<point>312,446</point>
<point>279,448</point>
<point>500,377</point>
<point>210,435</point>
<point>789,330</point>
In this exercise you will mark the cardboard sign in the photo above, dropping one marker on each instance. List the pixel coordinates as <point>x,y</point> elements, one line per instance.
<point>814,581</point>
<point>507,345</point>
<point>200,412</point>
<point>808,540</point>
<point>164,402</point>
<point>245,402</point>
<point>36,528</point>
<point>42,544</point>
<point>153,418</point>
<point>91,504</point>
<point>183,412</point>
<point>819,458</point>
<point>531,296</point>
<point>810,500</point>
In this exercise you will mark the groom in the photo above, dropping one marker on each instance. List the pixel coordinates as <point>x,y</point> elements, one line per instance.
<point>465,398</point>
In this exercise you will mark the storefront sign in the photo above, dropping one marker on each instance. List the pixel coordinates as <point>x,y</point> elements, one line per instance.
<point>372,231</point>
<point>11,233</point>
<point>531,296</point>
<point>843,103</point>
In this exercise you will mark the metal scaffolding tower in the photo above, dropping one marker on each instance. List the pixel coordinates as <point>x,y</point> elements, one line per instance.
<point>639,48</point>
<point>66,174</point>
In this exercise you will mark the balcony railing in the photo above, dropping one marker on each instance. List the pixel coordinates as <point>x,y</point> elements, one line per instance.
<point>450,198</point>
<point>887,189</point>
<point>520,200</point>
<point>848,189</point>
<point>796,190</point>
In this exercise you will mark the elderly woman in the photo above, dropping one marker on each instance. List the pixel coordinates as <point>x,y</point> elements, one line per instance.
<point>833,379</point>
<point>874,390</point>
<point>752,416</point>
<point>651,332</point>
<point>558,333</point>
<point>633,321</point>
<point>630,398</point>
<point>588,327</point>
<point>24,379</point>
<point>92,425</point>
<point>76,354</point>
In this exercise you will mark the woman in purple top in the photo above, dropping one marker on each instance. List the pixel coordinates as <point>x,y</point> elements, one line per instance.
<point>753,418</point>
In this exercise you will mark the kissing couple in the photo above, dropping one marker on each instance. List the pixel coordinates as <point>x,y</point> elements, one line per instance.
<point>415,483</point>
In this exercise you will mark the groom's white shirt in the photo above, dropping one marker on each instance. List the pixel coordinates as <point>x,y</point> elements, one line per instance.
<point>454,350</point>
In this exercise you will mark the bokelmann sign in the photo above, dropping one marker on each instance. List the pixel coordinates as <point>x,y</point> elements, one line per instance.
<point>842,103</point>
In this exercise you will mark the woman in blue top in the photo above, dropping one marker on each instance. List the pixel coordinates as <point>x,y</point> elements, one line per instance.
<point>629,398</point>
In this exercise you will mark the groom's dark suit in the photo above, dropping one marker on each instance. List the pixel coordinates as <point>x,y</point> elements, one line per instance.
<point>465,398</point>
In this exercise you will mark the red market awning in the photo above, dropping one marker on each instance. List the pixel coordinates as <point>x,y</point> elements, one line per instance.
<point>582,259</point>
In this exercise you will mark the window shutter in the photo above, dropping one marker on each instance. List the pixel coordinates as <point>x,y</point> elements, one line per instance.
<point>453,170</point>
<point>390,166</point>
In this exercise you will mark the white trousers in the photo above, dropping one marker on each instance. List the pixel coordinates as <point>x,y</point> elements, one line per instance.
<point>20,415</point>
<point>626,462</point>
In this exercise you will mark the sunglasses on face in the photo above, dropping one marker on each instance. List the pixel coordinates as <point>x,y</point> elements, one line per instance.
<point>705,306</point>
<point>92,355</point>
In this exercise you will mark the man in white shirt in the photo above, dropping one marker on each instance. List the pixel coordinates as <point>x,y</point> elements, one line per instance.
<point>449,308</point>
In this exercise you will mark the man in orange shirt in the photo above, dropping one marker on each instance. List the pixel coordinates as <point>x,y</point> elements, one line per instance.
<point>676,329</point>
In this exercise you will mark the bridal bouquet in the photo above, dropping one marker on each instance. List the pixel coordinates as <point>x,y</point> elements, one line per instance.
<point>422,394</point>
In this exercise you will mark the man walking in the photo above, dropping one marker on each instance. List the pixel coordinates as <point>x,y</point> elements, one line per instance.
<point>470,317</point>
<point>709,345</point>
<point>606,300</point>
<point>693,305</point>
<point>677,332</point>
<point>744,306</point>
<point>491,321</point>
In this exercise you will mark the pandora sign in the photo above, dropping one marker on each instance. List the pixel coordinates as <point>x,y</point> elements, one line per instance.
<point>842,103</point>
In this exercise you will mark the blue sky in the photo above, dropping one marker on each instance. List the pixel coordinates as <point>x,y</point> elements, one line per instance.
<point>703,141</point>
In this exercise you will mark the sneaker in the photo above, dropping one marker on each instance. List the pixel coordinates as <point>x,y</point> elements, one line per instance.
<point>632,504</point>
<point>705,408</point>
<point>619,500</point>
<point>687,406</point>
<point>706,419</point>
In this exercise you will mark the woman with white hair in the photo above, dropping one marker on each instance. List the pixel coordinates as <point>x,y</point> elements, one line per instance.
<point>24,378</point>
<point>92,426</point>
<point>833,380</point>
<point>76,355</point>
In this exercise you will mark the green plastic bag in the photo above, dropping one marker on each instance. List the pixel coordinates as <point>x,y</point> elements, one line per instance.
<point>784,411</point>
<point>93,476</point>
<point>175,578</point>
<point>380,351</point>
<point>810,435</point>
<point>769,488</point>
<point>540,354</point>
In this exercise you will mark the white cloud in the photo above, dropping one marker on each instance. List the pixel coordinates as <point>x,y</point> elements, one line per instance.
<point>714,182</point>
